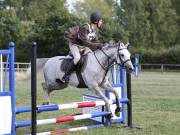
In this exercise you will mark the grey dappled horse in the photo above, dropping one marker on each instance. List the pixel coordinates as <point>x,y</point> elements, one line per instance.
<point>93,74</point>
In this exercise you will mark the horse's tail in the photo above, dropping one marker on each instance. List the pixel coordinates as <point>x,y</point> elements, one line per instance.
<point>27,75</point>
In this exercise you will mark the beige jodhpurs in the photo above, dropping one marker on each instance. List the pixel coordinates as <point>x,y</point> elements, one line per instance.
<point>76,49</point>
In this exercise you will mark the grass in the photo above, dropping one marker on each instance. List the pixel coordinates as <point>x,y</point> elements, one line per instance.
<point>156,106</point>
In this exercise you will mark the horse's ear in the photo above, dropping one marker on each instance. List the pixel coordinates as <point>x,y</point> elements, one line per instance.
<point>127,44</point>
<point>121,44</point>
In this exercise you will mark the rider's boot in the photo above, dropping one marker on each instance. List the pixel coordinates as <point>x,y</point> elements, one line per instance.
<point>68,72</point>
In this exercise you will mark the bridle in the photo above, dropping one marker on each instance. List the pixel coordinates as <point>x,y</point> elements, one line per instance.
<point>118,55</point>
<point>113,60</point>
<point>110,64</point>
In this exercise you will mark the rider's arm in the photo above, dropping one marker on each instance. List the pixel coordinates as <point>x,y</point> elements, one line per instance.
<point>83,36</point>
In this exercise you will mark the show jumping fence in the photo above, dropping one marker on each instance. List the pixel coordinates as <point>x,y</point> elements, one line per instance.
<point>34,120</point>
<point>8,109</point>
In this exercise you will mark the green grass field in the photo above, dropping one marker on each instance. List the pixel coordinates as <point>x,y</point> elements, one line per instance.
<point>156,106</point>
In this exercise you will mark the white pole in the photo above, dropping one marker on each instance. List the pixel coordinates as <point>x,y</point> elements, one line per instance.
<point>114,73</point>
<point>1,61</point>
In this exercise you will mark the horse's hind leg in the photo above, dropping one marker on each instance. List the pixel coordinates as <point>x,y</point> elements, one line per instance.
<point>108,86</point>
<point>46,94</point>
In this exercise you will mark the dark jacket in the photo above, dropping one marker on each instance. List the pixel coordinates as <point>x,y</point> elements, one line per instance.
<point>84,35</point>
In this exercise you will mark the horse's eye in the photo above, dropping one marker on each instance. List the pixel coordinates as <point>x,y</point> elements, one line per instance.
<point>122,55</point>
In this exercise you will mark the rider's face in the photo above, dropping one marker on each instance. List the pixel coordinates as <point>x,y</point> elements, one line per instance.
<point>99,23</point>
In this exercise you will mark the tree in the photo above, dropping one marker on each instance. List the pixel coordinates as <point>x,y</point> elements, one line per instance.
<point>111,30</point>
<point>9,26</point>
<point>150,23</point>
<point>84,8</point>
<point>38,20</point>
<point>176,6</point>
<point>48,30</point>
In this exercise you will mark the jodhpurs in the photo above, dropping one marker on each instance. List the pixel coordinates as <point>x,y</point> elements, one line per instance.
<point>76,49</point>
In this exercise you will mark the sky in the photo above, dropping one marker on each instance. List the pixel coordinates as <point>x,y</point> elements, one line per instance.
<point>70,3</point>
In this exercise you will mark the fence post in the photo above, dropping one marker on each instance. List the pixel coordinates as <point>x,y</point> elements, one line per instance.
<point>162,68</point>
<point>129,104</point>
<point>18,70</point>
<point>33,89</point>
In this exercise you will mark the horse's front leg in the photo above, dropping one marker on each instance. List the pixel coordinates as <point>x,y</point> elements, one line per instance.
<point>104,98</point>
<point>106,85</point>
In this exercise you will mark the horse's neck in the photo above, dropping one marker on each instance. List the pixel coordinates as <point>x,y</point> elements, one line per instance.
<point>103,58</point>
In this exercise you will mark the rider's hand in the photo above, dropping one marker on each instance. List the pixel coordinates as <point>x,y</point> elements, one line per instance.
<point>105,45</point>
<point>100,46</point>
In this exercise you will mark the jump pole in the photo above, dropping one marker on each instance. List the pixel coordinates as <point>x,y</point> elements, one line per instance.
<point>72,105</point>
<point>33,88</point>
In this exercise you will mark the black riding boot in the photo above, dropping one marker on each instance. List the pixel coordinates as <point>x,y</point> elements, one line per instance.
<point>68,72</point>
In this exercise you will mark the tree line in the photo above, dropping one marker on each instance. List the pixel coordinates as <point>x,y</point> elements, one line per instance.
<point>152,27</point>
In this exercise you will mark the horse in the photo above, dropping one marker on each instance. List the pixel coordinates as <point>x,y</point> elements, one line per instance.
<point>94,72</point>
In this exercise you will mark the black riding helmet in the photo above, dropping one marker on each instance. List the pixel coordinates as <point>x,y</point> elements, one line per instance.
<point>94,17</point>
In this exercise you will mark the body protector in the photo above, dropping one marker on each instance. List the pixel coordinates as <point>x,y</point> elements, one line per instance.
<point>84,35</point>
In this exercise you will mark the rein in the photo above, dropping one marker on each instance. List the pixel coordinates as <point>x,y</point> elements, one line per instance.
<point>109,64</point>
<point>106,69</point>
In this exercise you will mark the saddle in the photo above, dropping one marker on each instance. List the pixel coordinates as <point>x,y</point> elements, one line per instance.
<point>80,65</point>
<point>78,69</point>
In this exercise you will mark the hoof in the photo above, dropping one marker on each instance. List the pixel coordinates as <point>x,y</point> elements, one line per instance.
<point>117,111</point>
<point>45,103</point>
<point>109,116</point>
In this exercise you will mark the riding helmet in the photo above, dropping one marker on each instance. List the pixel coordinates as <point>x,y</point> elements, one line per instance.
<point>94,17</point>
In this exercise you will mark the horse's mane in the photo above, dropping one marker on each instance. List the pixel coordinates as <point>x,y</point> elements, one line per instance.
<point>118,44</point>
<point>114,45</point>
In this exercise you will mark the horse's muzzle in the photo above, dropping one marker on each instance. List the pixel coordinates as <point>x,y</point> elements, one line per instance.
<point>131,69</point>
<point>129,66</point>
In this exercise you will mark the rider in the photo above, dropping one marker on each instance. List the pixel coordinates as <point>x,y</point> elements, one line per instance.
<point>82,39</point>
